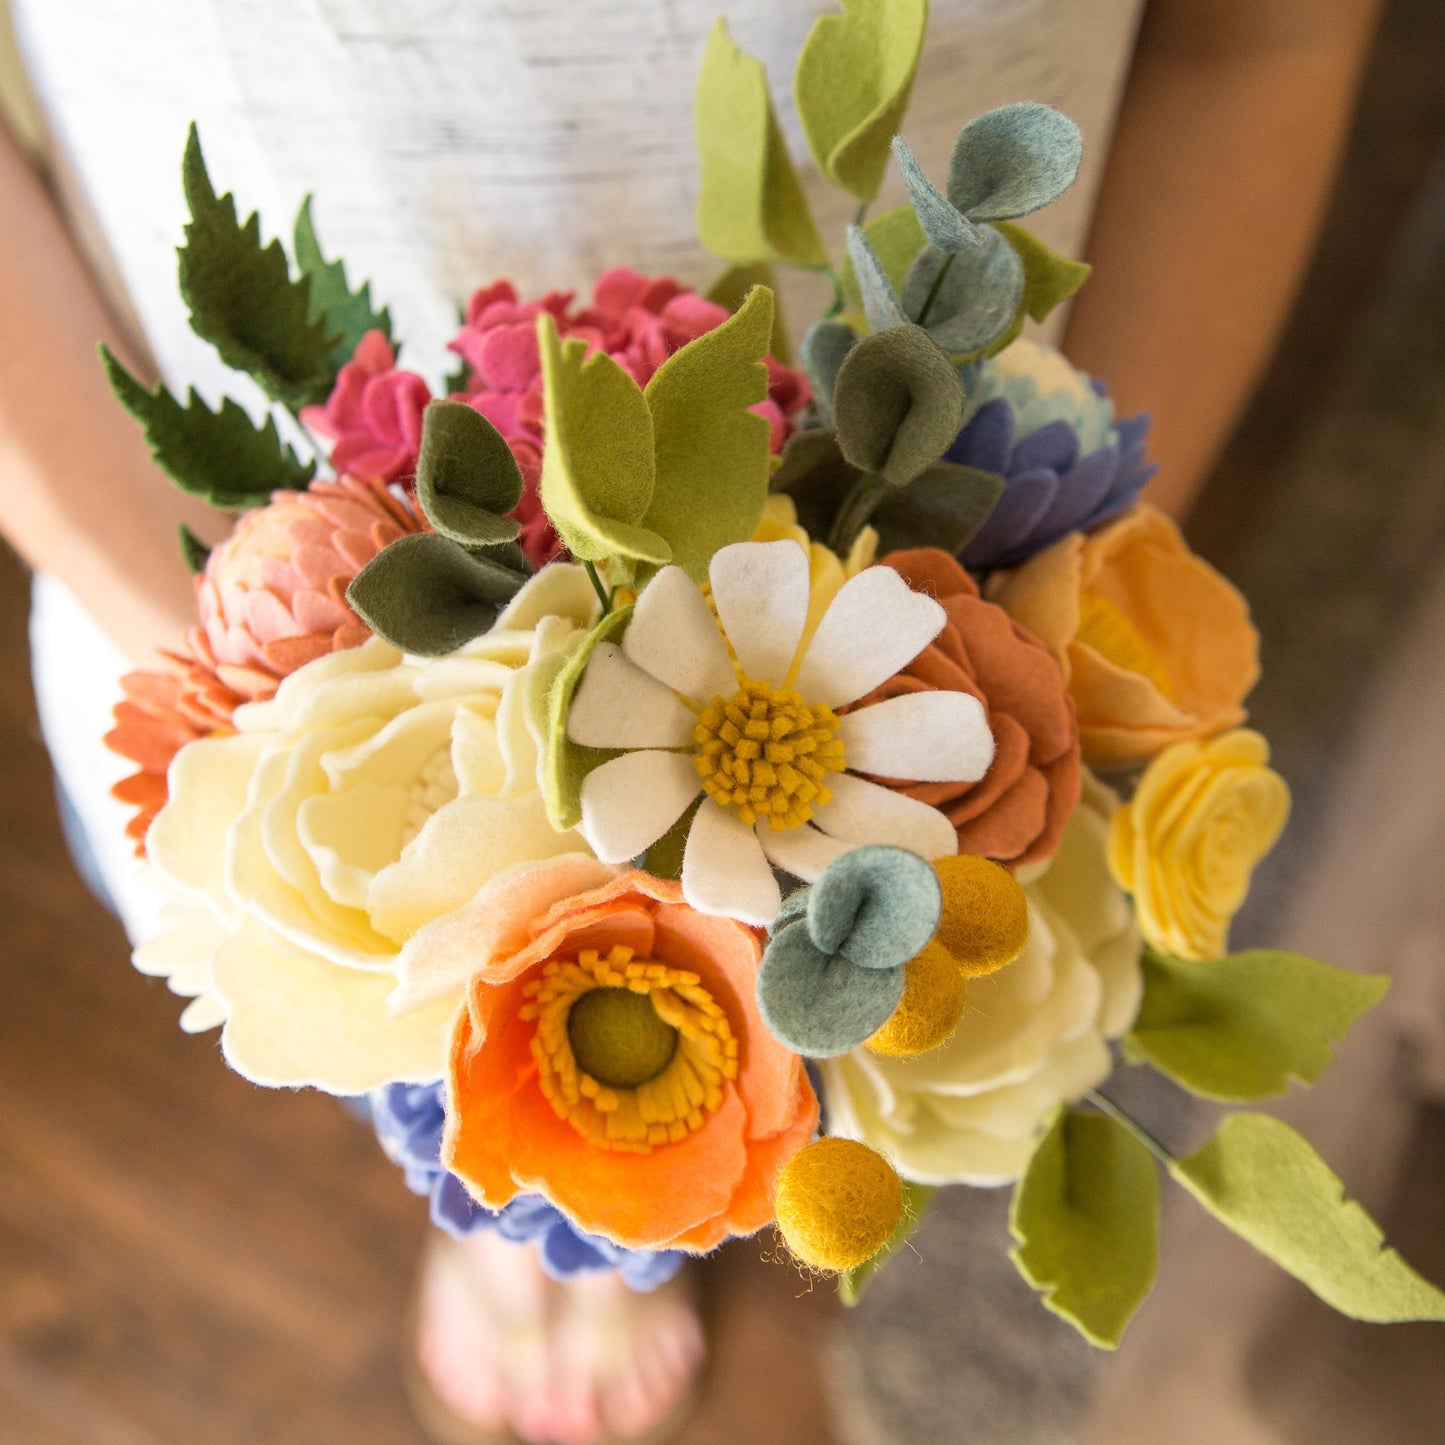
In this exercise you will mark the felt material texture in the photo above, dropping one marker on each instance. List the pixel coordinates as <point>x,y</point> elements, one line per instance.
<point>346,314</point>
<point>946,227</point>
<point>467,479</point>
<point>222,456</point>
<point>895,239</point>
<point>852,1282</point>
<point>852,82</point>
<point>733,286</point>
<point>750,205</point>
<point>984,921</point>
<point>1049,278</point>
<point>243,299</point>
<point>943,506</point>
<point>876,287</point>
<point>839,1202</point>
<point>968,299</point>
<point>1241,1028</point>
<point>875,906</point>
<point>825,344</point>
<point>898,402</point>
<point>1266,1183</point>
<point>1085,1216</point>
<point>1013,160</point>
<point>934,995</point>
<point>817,478</point>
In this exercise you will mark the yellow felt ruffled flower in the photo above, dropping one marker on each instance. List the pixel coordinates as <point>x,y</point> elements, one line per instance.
<point>1203,816</point>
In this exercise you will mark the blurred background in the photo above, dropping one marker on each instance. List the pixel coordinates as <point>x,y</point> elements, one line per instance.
<point>185,1258</point>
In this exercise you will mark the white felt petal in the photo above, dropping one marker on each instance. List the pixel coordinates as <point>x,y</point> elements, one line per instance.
<point>674,636</point>
<point>631,801</point>
<point>761,591</point>
<point>876,625</point>
<point>864,812</point>
<point>921,737</point>
<point>618,705</point>
<point>724,870</point>
<point>804,852</point>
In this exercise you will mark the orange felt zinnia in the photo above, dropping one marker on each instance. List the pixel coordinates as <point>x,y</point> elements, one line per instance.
<point>1156,647</point>
<point>680,1154</point>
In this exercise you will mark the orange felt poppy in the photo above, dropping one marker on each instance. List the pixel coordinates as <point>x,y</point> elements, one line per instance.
<point>622,1162</point>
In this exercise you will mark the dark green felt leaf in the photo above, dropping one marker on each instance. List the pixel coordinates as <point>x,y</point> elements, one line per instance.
<point>967,300</point>
<point>898,402</point>
<point>428,595</point>
<point>1242,1027</point>
<point>816,475</point>
<point>731,289</point>
<point>825,344</point>
<point>1013,160</point>
<point>467,479</point>
<point>941,507</point>
<point>664,858</point>
<point>242,297</point>
<point>346,314</point>
<point>223,457</point>
<point>896,239</point>
<point>916,1198</point>
<point>195,551</point>
<point>945,226</point>
<point>1085,1216</point>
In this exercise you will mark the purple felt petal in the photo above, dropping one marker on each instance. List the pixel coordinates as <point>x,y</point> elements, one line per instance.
<point>987,440</point>
<point>1053,448</point>
<point>1026,499</point>
<point>1081,492</point>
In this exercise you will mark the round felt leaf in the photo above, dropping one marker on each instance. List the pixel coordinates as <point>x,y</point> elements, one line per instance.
<point>825,344</point>
<point>875,286</point>
<point>467,479</point>
<point>947,227</point>
<point>1012,161</point>
<point>969,299</point>
<point>876,905</point>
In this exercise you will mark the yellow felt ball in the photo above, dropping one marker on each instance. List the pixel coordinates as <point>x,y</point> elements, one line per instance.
<point>838,1203</point>
<point>985,921</point>
<point>931,1006</point>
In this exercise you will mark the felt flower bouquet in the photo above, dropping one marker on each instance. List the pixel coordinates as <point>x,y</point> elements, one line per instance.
<point>686,791</point>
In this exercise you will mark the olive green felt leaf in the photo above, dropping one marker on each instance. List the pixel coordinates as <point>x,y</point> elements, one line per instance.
<point>825,344</point>
<point>1266,1183</point>
<point>1012,161</point>
<point>346,313</point>
<point>875,286</point>
<point>195,551</point>
<point>944,225</point>
<point>899,403</point>
<point>467,479</point>
<point>664,857</point>
<point>731,289</point>
<point>243,299</point>
<point>1049,280</point>
<point>1242,1027</point>
<point>750,203</point>
<point>597,461</point>
<point>427,595</point>
<point>711,451</point>
<point>817,476</point>
<point>1085,1216</point>
<point>916,1198</point>
<point>943,506</point>
<point>968,299</point>
<point>852,83</point>
<point>220,456</point>
<point>896,239</point>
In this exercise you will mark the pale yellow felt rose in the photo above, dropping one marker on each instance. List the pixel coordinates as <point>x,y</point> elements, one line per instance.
<point>1033,1035</point>
<point>1186,844</point>
<point>374,794</point>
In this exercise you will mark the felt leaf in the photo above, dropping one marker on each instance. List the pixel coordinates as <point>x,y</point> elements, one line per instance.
<point>825,344</point>
<point>731,289</point>
<point>1242,1027</point>
<point>852,82</point>
<point>969,299</point>
<point>1013,160</point>
<point>347,314</point>
<point>750,204</point>
<point>195,551</point>
<point>427,595</point>
<point>943,506</point>
<point>1264,1181</point>
<point>877,906</point>
<point>875,286</point>
<point>945,226</point>
<point>664,858</point>
<point>221,456</point>
<point>597,459</point>
<point>242,297</point>
<point>712,452</point>
<point>1085,1215</point>
<point>899,403</point>
<point>467,479</point>
<point>916,1198</point>
<point>816,475</point>
<point>896,239</point>
<point>1049,278</point>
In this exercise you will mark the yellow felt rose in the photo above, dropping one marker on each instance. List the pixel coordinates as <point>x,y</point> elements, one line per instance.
<point>1186,844</point>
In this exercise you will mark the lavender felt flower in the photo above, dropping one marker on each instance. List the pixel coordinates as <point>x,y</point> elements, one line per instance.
<point>408,1119</point>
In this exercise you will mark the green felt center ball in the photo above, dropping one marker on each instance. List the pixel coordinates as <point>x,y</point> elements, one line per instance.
<point>617,1037</point>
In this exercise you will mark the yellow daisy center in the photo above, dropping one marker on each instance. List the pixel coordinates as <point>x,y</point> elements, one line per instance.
<point>1115,638</point>
<point>630,1052</point>
<point>766,753</point>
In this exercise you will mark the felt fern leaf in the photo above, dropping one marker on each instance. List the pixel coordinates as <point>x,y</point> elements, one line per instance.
<point>346,313</point>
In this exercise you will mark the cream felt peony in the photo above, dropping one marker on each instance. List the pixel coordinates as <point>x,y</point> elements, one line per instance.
<point>1032,1035</point>
<point>374,794</point>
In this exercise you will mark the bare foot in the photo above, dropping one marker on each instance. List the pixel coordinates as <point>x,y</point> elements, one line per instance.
<point>504,1346</point>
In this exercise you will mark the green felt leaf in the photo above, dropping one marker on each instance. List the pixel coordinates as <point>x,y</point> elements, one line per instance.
<point>1265,1182</point>
<point>825,344</point>
<point>852,82</point>
<point>598,471</point>
<point>750,203</point>
<point>664,858</point>
<point>817,476</point>
<point>731,289</point>
<point>1242,1027</point>
<point>916,1198</point>
<point>427,594</point>
<point>1085,1216</point>
<point>1012,161</point>
<point>945,226</point>
<point>941,507</point>
<point>899,403</point>
<point>969,299</point>
<point>221,456</point>
<point>875,286</point>
<point>896,239</point>
<point>712,452</point>
<point>565,763</point>
<point>467,479</point>
<point>877,906</point>
<point>242,297</point>
<point>1049,278</point>
<point>345,313</point>
<point>195,551</point>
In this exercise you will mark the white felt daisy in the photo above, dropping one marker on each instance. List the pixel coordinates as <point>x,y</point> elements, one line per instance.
<point>738,701</point>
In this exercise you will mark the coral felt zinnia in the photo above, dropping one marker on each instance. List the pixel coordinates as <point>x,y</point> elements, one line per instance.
<point>617,1065</point>
<point>733,697</point>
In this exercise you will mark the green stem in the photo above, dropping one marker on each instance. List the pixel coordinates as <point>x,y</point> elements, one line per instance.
<point>836,309</point>
<point>854,513</point>
<point>1109,1107</point>
<point>602,594</point>
<point>935,288</point>
<point>861,213</point>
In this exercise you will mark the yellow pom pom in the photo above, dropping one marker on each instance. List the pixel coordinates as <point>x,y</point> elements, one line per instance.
<point>985,921</point>
<point>838,1203</point>
<point>932,1004</point>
